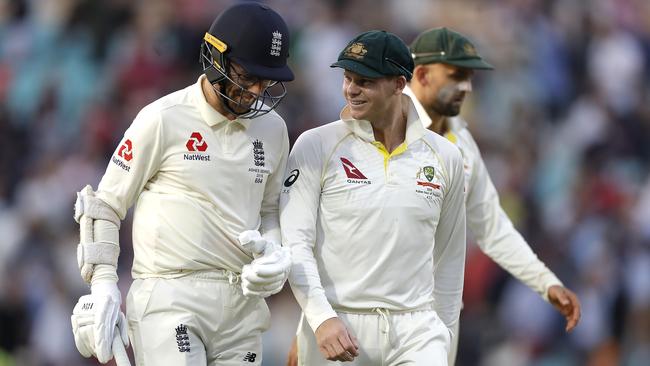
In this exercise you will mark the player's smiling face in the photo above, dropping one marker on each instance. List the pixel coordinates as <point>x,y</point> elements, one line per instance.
<point>366,97</point>
<point>245,88</point>
<point>447,87</point>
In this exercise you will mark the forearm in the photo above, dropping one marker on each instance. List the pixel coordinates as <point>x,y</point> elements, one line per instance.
<point>307,288</point>
<point>448,289</point>
<point>508,249</point>
<point>270,227</point>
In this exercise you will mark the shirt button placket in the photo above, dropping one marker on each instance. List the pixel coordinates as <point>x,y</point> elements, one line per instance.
<point>389,174</point>
<point>227,131</point>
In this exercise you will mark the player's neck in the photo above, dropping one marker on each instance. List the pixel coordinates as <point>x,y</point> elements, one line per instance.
<point>439,123</point>
<point>392,132</point>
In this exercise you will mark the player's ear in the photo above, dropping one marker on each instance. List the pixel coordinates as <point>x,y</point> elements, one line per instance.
<point>420,74</point>
<point>400,84</point>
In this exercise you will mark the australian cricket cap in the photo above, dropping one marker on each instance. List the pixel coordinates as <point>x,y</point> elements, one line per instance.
<point>448,47</point>
<point>375,54</point>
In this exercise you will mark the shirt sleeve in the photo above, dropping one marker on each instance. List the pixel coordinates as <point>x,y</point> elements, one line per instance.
<point>299,204</point>
<point>270,220</point>
<point>449,248</point>
<point>496,235</point>
<point>136,159</point>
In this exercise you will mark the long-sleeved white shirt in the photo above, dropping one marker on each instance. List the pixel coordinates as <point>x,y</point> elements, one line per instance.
<point>494,232</point>
<point>369,229</point>
<point>197,180</point>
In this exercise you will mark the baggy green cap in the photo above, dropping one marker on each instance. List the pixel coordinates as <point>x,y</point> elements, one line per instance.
<point>446,46</point>
<point>375,54</point>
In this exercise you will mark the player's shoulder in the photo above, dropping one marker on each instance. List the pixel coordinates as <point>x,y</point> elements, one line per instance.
<point>441,145</point>
<point>325,136</point>
<point>165,106</point>
<point>270,121</point>
<point>459,127</point>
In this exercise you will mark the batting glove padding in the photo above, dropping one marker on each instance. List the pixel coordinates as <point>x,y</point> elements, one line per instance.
<point>253,242</point>
<point>96,318</point>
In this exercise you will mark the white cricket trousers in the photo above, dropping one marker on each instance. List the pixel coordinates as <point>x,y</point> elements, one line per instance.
<point>201,319</point>
<point>385,338</point>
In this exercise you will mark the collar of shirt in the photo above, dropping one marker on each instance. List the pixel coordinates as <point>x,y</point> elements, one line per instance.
<point>210,115</point>
<point>363,128</point>
<point>455,123</point>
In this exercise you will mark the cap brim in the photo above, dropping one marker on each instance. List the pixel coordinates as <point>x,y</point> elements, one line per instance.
<point>283,73</point>
<point>470,64</point>
<point>358,68</point>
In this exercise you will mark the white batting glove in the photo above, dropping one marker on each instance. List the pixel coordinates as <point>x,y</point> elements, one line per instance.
<point>95,319</point>
<point>267,274</point>
<point>253,242</point>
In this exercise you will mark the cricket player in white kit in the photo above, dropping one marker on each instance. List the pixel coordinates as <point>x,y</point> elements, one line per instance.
<point>373,210</point>
<point>442,77</point>
<point>204,167</point>
<point>445,61</point>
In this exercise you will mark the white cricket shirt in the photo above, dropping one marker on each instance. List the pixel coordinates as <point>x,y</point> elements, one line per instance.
<point>197,180</point>
<point>493,230</point>
<point>369,229</point>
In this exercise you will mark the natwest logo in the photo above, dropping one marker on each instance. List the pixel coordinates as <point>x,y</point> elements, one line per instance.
<point>126,151</point>
<point>196,143</point>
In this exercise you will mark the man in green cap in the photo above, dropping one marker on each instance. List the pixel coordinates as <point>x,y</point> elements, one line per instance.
<point>445,62</point>
<point>373,211</point>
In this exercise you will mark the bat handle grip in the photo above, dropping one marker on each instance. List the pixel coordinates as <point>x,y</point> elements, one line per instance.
<point>119,353</point>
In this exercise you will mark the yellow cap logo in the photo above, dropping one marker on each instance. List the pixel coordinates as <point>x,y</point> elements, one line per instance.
<point>356,50</point>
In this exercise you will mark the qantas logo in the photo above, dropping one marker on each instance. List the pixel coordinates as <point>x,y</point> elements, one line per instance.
<point>351,171</point>
<point>196,143</point>
<point>125,151</point>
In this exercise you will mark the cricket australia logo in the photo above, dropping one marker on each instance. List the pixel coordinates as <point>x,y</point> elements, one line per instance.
<point>356,50</point>
<point>182,339</point>
<point>276,43</point>
<point>429,173</point>
<point>258,153</point>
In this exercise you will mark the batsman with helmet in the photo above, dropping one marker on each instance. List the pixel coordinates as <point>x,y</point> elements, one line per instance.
<point>204,167</point>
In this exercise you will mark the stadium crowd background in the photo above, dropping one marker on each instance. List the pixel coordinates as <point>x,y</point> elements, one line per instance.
<point>563,123</point>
